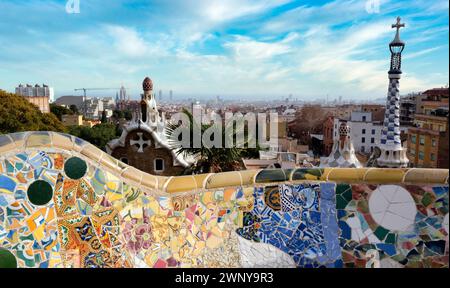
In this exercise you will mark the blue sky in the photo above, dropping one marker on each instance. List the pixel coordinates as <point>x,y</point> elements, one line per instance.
<point>232,48</point>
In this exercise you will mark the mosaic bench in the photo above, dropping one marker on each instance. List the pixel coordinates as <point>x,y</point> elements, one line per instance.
<point>65,203</point>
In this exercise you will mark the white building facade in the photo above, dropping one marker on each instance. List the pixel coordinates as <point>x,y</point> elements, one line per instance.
<point>365,133</point>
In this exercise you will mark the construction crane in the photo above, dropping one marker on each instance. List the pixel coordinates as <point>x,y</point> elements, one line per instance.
<point>84,95</point>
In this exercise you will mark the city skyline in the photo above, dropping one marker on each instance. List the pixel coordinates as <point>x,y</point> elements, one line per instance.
<point>233,49</point>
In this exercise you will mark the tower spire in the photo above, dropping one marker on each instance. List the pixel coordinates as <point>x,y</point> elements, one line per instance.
<point>393,155</point>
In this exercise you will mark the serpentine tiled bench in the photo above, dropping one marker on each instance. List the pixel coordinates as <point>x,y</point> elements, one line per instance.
<point>65,203</point>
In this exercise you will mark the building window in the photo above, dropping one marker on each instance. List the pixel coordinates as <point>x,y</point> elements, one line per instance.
<point>363,149</point>
<point>373,131</point>
<point>433,157</point>
<point>124,160</point>
<point>433,142</point>
<point>372,140</point>
<point>413,152</point>
<point>421,155</point>
<point>363,131</point>
<point>413,139</point>
<point>363,140</point>
<point>422,140</point>
<point>159,165</point>
<point>363,118</point>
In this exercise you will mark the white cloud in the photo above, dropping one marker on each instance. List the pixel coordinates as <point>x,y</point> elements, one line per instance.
<point>245,48</point>
<point>219,10</point>
<point>127,41</point>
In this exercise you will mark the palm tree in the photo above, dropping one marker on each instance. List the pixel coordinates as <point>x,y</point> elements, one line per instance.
<point>209,159</point>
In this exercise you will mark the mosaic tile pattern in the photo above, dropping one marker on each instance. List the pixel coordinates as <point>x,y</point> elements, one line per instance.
<point>305,227</point>
<point>393,225</point>
<point>100,221</point>
<point>64,203</point>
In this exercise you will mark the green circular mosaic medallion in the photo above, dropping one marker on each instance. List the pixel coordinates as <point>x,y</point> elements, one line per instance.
<point>75,168</point>
<point>40,192</point>
<point>7,259</point>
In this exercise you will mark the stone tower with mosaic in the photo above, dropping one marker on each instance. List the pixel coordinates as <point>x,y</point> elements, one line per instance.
<point>343,153</point>
<point>393,155</point>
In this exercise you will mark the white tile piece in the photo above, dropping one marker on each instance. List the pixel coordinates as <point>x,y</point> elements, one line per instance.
<point>398,212</point>
<point>377,203</point>
<point>261,255</point>
<point>402,196</point>
<point>394,222</point>
<point>388,191</point>
<point>405,210</point>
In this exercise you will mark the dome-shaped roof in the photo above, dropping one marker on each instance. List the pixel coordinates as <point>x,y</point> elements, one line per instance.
<point>147,85</point>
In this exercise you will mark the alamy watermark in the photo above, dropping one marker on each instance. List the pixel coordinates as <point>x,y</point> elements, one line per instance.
<point>73,6</point>
<point>251,130</point>
<point>373,6</point>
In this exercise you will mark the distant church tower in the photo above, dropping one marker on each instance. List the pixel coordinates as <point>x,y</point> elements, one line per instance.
<point>393,155</point>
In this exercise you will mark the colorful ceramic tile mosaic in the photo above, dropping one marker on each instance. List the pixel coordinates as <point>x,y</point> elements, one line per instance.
<point>393,225</point>
<point>65,204</point>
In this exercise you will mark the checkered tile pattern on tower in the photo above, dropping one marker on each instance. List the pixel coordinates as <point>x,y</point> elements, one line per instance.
<point>391,130</point>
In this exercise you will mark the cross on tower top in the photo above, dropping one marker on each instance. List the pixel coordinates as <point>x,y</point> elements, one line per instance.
<point>398,25</point>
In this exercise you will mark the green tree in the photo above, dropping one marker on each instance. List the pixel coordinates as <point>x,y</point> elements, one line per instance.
<point>19,115</point>
<point>119,114</point>
<point>58,110</point>
<point>74,109</point>
<point>104,118</point>
<point>99,135</point>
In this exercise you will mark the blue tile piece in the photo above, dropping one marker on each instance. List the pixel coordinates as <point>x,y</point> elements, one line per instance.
<point>341,213</point>
<point>387,248</point>
<point>306,227</point>
<point>329,220</point>
<point>346,231</point>
<point>440,190</point>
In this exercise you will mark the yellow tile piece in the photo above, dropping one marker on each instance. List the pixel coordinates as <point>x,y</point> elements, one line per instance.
<point>207,197</point>
<point>213,241</point>
<point>426,176</point>
<point>384,175</point>
<point>346,175</point>
<point>132,174</point>
<point>248,176</point>
<point>38,233</point>
<point>62,141</point>
<point>91,152</point>
<point>149,181</point>
<point>181,184</point>
<point>38,139</point>
<point>110,163</point>
<point>225,179</point>
<point>151,258</point>
<point>200,179</point>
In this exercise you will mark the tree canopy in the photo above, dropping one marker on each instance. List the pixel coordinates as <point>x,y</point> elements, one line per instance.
<point>98,135</point>
<point>19,115</point>
<point>60,110</point>
<point>119,114</point>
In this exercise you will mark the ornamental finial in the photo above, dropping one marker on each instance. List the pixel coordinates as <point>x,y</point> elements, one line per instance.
<point>398,25</point>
